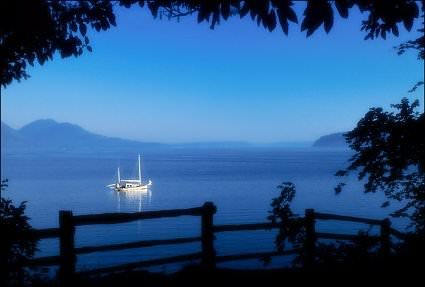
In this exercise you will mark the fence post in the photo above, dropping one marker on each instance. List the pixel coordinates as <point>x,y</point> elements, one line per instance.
<point>67,253</point>
<point>207,234</point>
<point>385,237</point>
<point>310,240</point>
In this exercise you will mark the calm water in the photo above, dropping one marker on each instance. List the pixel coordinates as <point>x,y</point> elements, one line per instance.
<point>240,182</point>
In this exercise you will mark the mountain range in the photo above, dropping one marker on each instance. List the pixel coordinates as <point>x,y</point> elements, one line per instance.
<point>47,135</point>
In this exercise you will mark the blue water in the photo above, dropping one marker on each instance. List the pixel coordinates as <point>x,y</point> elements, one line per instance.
<point>241,182</point>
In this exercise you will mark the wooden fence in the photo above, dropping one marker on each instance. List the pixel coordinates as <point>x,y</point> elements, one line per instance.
<point>68,251</point>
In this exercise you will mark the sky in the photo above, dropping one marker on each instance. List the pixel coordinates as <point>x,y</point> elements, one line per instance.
<point>167,81</point>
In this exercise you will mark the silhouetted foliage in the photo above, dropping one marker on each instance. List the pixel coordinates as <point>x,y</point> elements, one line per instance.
<point>412,248</point>
<point>416,86</point>
<point>354,253</point>
<point>34,30</point>
<point>390,155</point>
<point>17,243</point>
<point>417,44</point>
<point>292,227</point>
<point>328,255</point>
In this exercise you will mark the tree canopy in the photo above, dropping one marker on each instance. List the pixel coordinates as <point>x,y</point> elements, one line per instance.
<point>34,30</point>
<point>390,156</point>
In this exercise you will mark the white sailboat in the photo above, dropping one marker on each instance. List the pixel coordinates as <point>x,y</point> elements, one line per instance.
<point>130,184</point>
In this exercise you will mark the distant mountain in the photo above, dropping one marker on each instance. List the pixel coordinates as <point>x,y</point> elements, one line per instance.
<point>332,140</point>
<point>11,135</point>
<point>51,136</point>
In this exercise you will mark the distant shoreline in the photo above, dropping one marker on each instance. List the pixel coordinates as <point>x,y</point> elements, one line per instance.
<point>50,136</point>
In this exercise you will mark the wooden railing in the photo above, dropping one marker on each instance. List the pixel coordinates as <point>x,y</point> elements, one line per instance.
<point>312,235</point>
<point>68,252</point>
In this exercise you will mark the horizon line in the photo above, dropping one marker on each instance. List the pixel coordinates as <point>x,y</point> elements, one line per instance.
<point>205,142</point>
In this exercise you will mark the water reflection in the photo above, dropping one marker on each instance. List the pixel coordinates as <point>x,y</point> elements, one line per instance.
<point>128,201</point>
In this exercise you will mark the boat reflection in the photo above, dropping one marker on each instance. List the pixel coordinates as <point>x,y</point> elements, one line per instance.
<point>130,201</point>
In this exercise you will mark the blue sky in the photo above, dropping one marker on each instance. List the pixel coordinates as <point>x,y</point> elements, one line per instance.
<point>159,80</point>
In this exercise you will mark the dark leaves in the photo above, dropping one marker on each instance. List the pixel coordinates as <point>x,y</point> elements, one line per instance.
<point>74,27</point>
<point>285,13</point>
<point>271,21</point>
<point>342,6</point>
<point>292,226</point>
<point>18,243</point>
<point>225,9</point>
<point>97,26</point>
<point>317,13</point>
<point>416,86</point>
<point>408,23</point>
<point>417,44</point>
<point>385,16</point>
<point>339,187</point>
<point>128,3</point>
<point>83,29</point>
<point>154,8</point>
<point>204,12</point>
<point>394,29</point>
<point>328,19</point>
<point>385,204</point>
<point>390,156</point>
<point>111,18</point>
<point>290,14</point>
<point>244,10</point>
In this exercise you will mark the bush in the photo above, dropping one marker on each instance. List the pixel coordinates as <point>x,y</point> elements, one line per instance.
<point>17,243</point>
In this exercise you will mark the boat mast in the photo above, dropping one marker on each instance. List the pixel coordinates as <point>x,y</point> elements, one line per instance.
<point>140,172</point>
<point>119,177</point>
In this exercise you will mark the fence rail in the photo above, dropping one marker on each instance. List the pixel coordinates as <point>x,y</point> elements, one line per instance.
<point>47,233</point>
<point>245,227</point>
<point>329,216</point>
<point>135,244</point>
<point>398,234</point>
<point>245,256</point>
<point>68,252</point>
<point>144,263</point>
<point>45,261</point>
<point>113,218</point>
<point>337,236</point>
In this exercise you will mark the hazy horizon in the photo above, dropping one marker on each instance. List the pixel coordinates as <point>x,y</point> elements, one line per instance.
<point>297,143</point>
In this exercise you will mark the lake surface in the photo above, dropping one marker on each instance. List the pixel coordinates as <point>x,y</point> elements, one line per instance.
<point>241,182</point>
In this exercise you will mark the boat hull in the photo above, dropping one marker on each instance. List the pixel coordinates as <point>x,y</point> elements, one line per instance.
<point>133,188</point>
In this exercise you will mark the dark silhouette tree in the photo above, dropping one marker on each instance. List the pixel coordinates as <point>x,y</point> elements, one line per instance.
<point>17,242</point>
<point>34,30</point>
<point>390,155</point>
